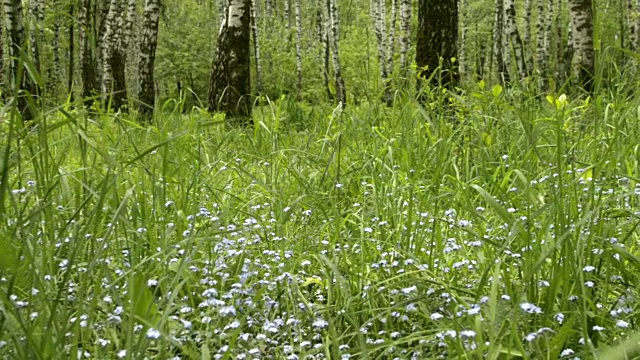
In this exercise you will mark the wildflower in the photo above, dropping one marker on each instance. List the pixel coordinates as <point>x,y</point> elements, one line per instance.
<point>530,308</point>
<point>467,334</point>
<point>227,311</point>
<point>598,328</point>
<point>567,352</point>
<point>436,316</point>
<point>153,333</point>
<point>588,268</point>
<point>122,354</point>
<point>320,324</point>
<point>622,324</point>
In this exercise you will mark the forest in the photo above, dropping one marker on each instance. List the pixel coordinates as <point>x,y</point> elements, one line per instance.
<point>319,179</point>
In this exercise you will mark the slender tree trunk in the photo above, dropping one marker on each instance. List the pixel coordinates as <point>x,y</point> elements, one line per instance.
<point>566,61</point>
<point>380,30</point>
<point>437,41</point>
<point>498,43</point>
<point>550,13</point>
<point>287,14</point>
<point>391,43</point>
<point>528,5</point>
<point>299,49</point>
<point>323,34</point>
<point>516,41</point>
<point>20,80</point>
<point>148,47</point>
<point>582,21</point>
<point>113,57</point>
<point>230,80</point>
<point>334,38</point>
<point>541,55</point>
<point>462,54</point>
<point>405,38</point>
<point>87,52</point>
<point>36,12</point>
<point>54,79</point>
<point>256,46</point>
<point>71,68</point>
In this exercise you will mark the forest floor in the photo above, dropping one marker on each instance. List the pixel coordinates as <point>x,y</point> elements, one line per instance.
<point>496,226</point>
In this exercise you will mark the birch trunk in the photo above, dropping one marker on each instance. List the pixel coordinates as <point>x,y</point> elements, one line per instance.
<point>550,12</point>
<point>71,68</point>
<point>528,5</point>
<point>54,79</point>
<point>334,38</point>
<point>582,23</point>
<point>405,37</point>
<point>462,61</point>
<point>436,45</point>
<point>230,80</point>
<point>566,62</point>
<point>498,43</point>
<point>256,46</point>
<point>287,14</point>
<point>391,43</point>
<point>380,31</point>
<point>36,12</point>
<point>2,75</point>
<point>541,56</point>
<point>20,80</point>
<point>299,49</point>
<point>516,41</point>
<point>146,65</point>
<point>323,32</point>
<point>113,58</point>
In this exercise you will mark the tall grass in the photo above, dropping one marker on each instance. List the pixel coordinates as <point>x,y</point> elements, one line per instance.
<point>492,224</point>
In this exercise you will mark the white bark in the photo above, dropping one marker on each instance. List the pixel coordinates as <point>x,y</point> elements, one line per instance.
<point>299,49</point>
<point>256,46</point>
<point>334,38</point>
<point>405,38</point>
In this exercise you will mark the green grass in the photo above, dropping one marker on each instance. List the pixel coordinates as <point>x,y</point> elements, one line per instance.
<point>496,226</point>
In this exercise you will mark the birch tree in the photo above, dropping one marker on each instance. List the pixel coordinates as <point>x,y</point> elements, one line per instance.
<point>256,46</point>
<point>147,95</point>
<point>405,38</point>
<point>436,46</point>
<point>498,42</point>
<point>230,80</point>
<point>379,14</point>
<point>71,53</point>
<point>88,60</point>
<point>462,61</point>
<point>541,48</point>
<point>391,41</point>
<point>323,36</point>
<point>299,49</point>
<point>516,41</point>
<point>528,7</point>
<point>635,23</point>
<point>20,80</point>
<point>113,56</point>
<point>334,39</point>
<point>582,23</point>
<point>36,12</point>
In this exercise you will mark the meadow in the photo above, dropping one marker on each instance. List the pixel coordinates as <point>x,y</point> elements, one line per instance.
<point>491,224</point>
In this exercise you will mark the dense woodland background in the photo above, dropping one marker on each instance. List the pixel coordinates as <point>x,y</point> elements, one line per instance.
<point>527,43</point>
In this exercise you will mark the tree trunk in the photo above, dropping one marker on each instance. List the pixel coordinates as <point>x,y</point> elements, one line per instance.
<point>256,46</point>
<point>230,80</point>
<point>54,79</point>
<point>299,50</point>
<point>516,41</point>
<point>380,30</point>
<point>528,5</point>
<point>87,52</point>
<point>2,75</point>
<point>148,47</point>
<point>323,35</point>
<point>582,22</point>
<point>462,61</point>
<point>113,57</point>
<point>437,42</point>
<point>20,80</point>
<point>636,27</point>
<point>405,38</point>
<point>36,12</point>
<point>391,42</point>
<point>71,68</point>
<point>541,55</point>
<point>498,43</point>
<point>287,14</point>
<point>334,38</point>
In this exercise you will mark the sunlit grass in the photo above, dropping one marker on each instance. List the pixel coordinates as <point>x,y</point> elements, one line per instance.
<point>495,226</point>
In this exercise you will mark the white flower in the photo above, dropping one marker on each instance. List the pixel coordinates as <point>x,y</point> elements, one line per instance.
<point>588,268</point>
<point>153,333</point>
<point>320,324</point>
<point>622,324</point>
<point>467,334</point>
<point>122,354</point>
<point>567,352</point>
<point>530,308</point>
<point>436,316</point>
